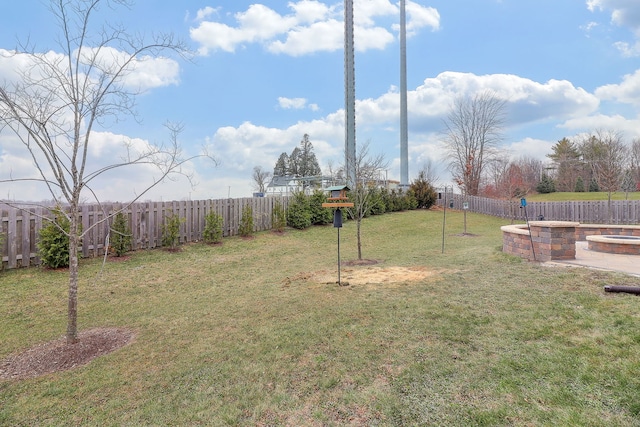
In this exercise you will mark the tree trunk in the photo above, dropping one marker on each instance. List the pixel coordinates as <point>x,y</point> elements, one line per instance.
<point>358,222</point>
<point>72,311</point>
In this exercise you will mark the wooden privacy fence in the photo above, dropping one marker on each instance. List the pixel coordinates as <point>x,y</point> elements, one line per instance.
<point>20,226</point>
<point>585,212</point>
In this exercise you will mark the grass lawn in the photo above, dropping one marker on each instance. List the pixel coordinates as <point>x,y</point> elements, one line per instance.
<point>562,197</point>
<point>245,334</point>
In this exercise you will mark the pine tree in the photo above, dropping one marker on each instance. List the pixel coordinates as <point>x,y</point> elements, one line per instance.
<point>308,164</point>
<point>282,165</point>
<point>566,156</point>
<point>546,185</point>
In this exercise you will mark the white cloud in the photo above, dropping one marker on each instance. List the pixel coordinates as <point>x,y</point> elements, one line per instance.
<point>420,17</point>
<point>628,50</point>
<point>530,147</point>
<point>312,26</point>
<point>150,73</point>
<point>623,12</point>
<point>588,27</point>
<point>143,73</point>
<point>326,36</point>
<point>292,103</point>
<point>206,13</point>
<point>628,91</point>
<point>629,127</point>
<point>527,101</point>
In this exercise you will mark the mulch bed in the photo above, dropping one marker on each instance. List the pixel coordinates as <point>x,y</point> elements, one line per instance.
<point>58,355</point>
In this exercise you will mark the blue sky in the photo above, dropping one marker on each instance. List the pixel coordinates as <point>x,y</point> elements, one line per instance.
<point>267,72</point>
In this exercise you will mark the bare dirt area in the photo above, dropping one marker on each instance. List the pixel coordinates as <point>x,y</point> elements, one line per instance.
<point>363,274</point>
<point>58,355</point>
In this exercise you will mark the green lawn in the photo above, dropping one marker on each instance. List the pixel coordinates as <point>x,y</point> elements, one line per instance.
<point>561,197</point>
<point>241,334</point>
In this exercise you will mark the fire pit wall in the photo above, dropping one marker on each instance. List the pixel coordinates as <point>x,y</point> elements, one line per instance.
<point>556,240</point>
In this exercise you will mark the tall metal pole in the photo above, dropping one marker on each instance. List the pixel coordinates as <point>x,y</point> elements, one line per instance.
<point>349,96</point>
<point>404,131</point>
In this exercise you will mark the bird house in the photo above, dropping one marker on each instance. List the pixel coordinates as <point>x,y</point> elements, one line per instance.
<point>338,192</point>
<point>338,197</point>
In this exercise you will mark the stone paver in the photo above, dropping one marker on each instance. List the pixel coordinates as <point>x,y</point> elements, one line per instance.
<point>629,264</point>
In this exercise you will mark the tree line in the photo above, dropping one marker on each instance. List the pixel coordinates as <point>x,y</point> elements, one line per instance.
<point>600,160</point>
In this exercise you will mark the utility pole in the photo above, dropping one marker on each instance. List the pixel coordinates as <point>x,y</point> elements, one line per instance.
<point>349,96</point>
<point>404,131</point>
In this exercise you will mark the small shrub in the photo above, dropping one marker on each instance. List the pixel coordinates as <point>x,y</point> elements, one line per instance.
<point>593,186</point>
<point>53,242</point>
<point>579,185</point>
<point>278,217</point>
<point>546,185</point>
<point>299,212</point>
<point>377,203</point>
<point>319,215</point>
<point>171,230</point>
<point>213,223</point>
<point>120,235</point>
<point>246,222</point>
<point>423,192</point>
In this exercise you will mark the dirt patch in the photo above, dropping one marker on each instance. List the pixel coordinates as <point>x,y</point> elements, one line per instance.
<point>55,356</point>
<point>375,276</point>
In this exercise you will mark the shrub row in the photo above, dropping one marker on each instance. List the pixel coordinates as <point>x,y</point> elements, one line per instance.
<point>306,210</point>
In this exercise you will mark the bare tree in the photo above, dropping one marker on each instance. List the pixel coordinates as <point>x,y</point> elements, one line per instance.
<point>474,129</point>
<point>260,178</point>
<point>498,184</point>
<point>61,99</point>
<point>531,169</point>
<point>368,170</point>
<point>635,159</point>
<point>606,153</point>
<point>430,173</point>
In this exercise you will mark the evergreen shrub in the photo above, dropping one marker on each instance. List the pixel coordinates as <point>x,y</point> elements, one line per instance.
<point>53,241</point>
<point>299,212</point>
<point>319,215</point>
<point>213,224</point>
<point>171,230</point>
<point>120,235</point>
<point>246,222</point>
<point>278,217</point>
